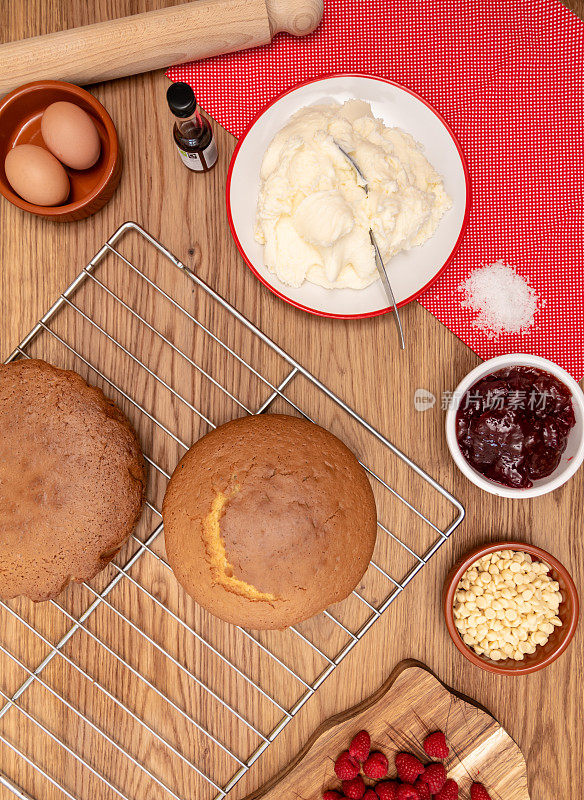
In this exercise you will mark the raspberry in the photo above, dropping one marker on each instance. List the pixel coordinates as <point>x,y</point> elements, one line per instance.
<point>478,792</point>
<point>360,746</point>
<point>423,789</point>
<point>346,768</point>
<point>330,794</point>
<point>370,795</point>
<point>435,745</point>
<point>435,776</point>
<point>354,789</point>
<point>409,768</point>
<point>448,792</point>
<point>376,766</point>
<point>407,792</point>
<point>386,790</point>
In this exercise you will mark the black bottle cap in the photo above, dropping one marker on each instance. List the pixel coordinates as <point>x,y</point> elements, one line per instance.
<point>181,99</point>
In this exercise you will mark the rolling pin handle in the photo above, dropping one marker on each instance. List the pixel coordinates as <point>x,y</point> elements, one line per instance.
<point>298,17</point>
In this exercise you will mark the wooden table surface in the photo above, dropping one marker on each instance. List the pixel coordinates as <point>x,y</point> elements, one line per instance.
<point>359,361</point>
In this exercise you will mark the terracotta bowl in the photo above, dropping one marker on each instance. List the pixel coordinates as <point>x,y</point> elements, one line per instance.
<point>559,639</point>
<point>20,123</point>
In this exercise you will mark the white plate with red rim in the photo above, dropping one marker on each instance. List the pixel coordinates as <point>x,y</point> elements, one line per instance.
<point>410,272</point>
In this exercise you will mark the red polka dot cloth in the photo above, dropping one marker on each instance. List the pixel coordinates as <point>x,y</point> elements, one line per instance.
<point>508,75</point>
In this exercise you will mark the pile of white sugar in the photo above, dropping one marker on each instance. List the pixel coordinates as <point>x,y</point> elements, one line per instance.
<point>503,300</point>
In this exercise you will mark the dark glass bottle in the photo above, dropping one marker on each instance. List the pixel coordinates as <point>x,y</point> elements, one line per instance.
<point>192,133</point>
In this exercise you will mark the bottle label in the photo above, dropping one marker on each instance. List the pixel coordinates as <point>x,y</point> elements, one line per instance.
<point>200,162</point>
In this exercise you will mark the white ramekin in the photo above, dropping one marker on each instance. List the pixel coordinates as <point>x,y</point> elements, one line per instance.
<point>571,458</point>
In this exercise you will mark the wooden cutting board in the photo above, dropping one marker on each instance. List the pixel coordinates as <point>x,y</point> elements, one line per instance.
<point>409,705</point>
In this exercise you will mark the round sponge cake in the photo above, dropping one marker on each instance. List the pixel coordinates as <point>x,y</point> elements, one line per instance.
<point>268,520</point>
<point>71,480</point>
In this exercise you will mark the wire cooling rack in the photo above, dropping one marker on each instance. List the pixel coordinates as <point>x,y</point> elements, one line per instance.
<point>124,687</point>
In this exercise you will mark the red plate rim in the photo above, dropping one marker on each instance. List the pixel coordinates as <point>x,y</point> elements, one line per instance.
<point>463,227</point>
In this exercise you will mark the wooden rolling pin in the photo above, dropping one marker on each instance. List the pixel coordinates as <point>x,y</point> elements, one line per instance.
<point>153,40</point>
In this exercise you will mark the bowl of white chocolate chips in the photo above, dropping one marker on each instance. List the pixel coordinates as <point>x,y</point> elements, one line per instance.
<point>510,607</point>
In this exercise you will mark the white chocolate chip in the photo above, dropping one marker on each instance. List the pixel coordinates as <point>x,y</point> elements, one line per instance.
<point>506,605</point>
<point>547,628</point>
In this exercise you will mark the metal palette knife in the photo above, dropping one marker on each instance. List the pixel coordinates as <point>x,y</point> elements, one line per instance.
<point>378,260</point>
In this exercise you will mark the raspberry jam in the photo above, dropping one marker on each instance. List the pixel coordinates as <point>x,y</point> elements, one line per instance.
<point>512,426</point>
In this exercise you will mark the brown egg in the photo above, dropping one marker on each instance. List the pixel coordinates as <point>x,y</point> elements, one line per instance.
<point>36,175</point>
<point>71,135</point>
